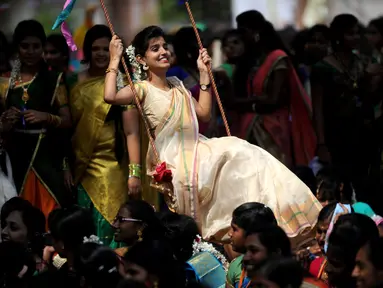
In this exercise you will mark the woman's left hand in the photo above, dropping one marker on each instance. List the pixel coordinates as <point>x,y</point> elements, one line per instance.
<point>204,61</point>
<point>34,117</point>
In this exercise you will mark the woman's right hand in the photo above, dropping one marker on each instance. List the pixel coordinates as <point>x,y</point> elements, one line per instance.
<point>116,48</point>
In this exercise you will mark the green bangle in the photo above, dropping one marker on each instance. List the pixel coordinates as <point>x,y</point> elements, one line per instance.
<point>134,170</point>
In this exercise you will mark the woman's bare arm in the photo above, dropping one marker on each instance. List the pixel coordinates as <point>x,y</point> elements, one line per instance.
<point>203,106</point>
<point>131,123</point>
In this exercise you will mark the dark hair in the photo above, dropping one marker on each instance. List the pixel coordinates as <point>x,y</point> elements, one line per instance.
<point>59,42</point>
<point>129,283</point>
<point>251,19</point>
<point>273,238</point>
<point>339,26</point>
<point>5,49</point>
<point>319,28</point>
<point>94,33</point>
<point>186,47</point>
<point>332,188</point>
<point>33,219</point>
<point>71,225</point>
<point>285,272</point>
<point>141,210</point>
<point>157,258</point>
<point>13,258</point>
<point>28,28</point>
<point>327,212</point>
<point>378,23</point>
<point>253,214</point>
<point>182,231</point>
<point>351,232</point>
<point>142,39</point>
<point>307,176</point>
<point>99,266</point>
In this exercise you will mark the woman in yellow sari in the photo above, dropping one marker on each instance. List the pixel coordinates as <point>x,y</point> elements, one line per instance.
<point>101,170</point>
<point>211,177</point>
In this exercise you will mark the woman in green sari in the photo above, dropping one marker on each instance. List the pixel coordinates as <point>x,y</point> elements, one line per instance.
<point>37,105</point>
<point>100,168</point>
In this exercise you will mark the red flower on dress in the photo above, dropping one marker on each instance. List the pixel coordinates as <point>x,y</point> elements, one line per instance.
<point>162,174</point>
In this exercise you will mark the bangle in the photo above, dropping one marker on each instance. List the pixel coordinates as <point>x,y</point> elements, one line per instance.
<point>111,70</point>
<point>134,170</point>
<point>54,120</point>
<point>65,166</point>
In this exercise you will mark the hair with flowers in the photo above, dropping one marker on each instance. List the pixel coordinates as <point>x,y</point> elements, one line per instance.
<point>138,73</point>
<point>93,239</point>
<point>200,245</point>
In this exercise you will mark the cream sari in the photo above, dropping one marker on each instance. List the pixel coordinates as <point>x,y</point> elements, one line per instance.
<point>211,177</point>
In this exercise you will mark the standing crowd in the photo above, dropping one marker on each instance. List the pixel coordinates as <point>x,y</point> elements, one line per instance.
<point>295,205</point>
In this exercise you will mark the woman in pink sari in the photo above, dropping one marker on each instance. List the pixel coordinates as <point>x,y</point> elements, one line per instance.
<point>211,177</point>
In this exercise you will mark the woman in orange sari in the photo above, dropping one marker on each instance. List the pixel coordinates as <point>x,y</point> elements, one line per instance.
<point>276,115</point>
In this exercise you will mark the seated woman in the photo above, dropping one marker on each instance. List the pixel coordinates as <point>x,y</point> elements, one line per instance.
<point>211,177</point>
<point>24,224</point>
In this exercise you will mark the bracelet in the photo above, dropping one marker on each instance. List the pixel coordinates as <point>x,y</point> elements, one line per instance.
<point>65,166</point>
<point>54,120</point>
<point>111,70</point>
<point>134,170</point>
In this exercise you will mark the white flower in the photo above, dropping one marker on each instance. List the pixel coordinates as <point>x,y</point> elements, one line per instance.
<point>137,72</point>
<point>201,246</point>
<point>15,73</point>
<point>92,239</point>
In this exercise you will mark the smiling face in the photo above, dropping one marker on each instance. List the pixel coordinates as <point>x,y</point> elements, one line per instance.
<point>100,53</point>
<point>256,253</point>
<point>53,56</point>
<point>30,51</point>
<point>125,230</point>
<point>157,56</point>
<point>365,273</point>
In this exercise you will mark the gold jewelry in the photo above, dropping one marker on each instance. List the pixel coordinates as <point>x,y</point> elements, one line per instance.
<point>65,166</point>
<point>134,170</point>
<point>54,120</point>
<point>25,96</point>
<point>111,70</point>
<point>139,234</point>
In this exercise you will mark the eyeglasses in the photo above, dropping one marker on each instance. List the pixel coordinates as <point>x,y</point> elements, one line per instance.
<point>124,219</point>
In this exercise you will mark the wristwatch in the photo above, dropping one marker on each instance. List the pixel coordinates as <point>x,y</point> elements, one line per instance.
<point>204,87</point>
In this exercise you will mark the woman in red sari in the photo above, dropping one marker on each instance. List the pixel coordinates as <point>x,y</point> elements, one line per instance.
<point>276,113</point>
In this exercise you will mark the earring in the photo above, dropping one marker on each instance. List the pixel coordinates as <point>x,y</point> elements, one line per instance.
<point>139,234</point>
<point>155,284</point>
<point>145,67</point>
<point>256,37</point>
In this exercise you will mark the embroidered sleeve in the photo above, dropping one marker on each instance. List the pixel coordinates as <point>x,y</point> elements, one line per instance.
<point>61,98</point>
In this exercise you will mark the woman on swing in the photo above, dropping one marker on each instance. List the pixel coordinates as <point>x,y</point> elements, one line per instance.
<point>211,177</point>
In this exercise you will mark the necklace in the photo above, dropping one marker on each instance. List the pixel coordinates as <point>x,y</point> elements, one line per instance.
<point>25,88</point>
<point>347,71</point>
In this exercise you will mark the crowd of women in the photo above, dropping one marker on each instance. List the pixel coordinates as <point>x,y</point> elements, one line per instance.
<point>307,117</point>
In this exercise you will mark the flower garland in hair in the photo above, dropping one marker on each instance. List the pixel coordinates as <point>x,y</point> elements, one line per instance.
<point>120,81</point>
<point>137,72</point>
<point>92,239</point>
<point>15,73</point>
<point>201,246</point>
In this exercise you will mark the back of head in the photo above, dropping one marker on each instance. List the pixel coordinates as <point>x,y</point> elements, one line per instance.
<point>351,232</point>
<point>327,212</point>
<point>284,272</point>
<point>157,258</point>
<point>251,20</point>
<point>186,46</point>
<point>71,225</point>
<point>59,42</point>
<point>99,266</point>
<point>253,214</point>
<point>182,231</point>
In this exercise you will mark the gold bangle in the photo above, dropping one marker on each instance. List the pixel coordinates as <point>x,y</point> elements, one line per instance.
<point>111,70</point>
<point>134,170</point>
